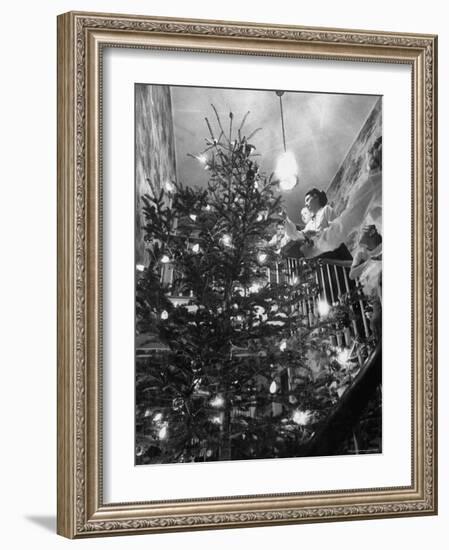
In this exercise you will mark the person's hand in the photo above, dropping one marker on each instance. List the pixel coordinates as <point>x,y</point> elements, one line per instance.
<point>291,231</point>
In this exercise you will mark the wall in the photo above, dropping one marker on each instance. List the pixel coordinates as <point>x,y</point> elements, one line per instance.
<point>155,149</point>
<point>28,275</point>
<point>353,168</point>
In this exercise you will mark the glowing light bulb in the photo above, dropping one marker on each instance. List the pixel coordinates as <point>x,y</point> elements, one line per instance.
<point>157,417</point>
<point>196,248</point>
<point>169,187</point>
<point>164,315</point>
<point>147,413</point>
<point>217,401</point>
<point>216,420</point>
<point>323,308</point>
<point>163,432</point>
<point>165,259</point>
<point>140,267</point>
<point>208,207</point>
<point>273,387</point>
<point>193,217</point>
<point>343,356</point>
<point>301,417</point>
<point>226,239</point>
<point>202,159</point>
<point>259,218</point>
<point>262,257</point>
<point>287,171</point>
<point>283,345</point>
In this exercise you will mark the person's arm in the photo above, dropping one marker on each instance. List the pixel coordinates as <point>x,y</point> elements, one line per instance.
<point>291,231</point>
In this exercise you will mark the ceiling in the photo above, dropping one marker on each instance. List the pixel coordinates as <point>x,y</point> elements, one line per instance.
<point>319,128</point>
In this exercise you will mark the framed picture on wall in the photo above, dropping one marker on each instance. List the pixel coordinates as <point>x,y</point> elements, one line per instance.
<point>246,274</point>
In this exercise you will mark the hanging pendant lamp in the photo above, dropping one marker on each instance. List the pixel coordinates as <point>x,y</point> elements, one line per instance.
<point>286,166</point>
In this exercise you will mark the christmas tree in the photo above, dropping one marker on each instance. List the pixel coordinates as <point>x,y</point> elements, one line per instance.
<point>234,376</point>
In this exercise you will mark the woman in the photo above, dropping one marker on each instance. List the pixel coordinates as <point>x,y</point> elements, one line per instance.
<point>319,216</point>
<point>364,208</point>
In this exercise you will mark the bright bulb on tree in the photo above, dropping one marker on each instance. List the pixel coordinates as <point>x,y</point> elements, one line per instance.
<point>196,248</point>
<point>283,345</point>
<point>164,315</point>
<point>273,387</point>
<point>140,267</point>
<point>343,357</point>
<point>169,187</point>
<point>323,308</point>
<point>202,159</point>
<point>193,217</point>
<point>226,239</point>
<point>301,417</point>
<point>157,417</point>
<point>262,257</point>
<point>165,259</point>
<point>287,171</point>
<point>163,432</point>
<point>217,401</point>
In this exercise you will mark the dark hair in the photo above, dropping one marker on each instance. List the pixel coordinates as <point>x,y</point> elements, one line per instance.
<point>322,197</point>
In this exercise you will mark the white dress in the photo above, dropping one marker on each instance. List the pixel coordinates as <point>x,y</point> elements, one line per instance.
<point>317,223</point>
<point>321,220</point>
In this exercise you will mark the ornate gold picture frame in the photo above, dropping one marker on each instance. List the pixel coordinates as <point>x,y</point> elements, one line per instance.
<point>82,509</point>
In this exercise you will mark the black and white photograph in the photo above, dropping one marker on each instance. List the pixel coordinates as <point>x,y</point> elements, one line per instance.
<point>258,274</point>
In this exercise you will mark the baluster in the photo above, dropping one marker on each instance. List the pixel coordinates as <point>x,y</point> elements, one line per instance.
<point>311,312</point>
<point>319,294</point>
<point>354,322</point>
<point>324,284</point>
<point>331,286</point>
<point>347,336</point>
<point>340,339</point>
<point>338,281</point>
<point>362,309</point>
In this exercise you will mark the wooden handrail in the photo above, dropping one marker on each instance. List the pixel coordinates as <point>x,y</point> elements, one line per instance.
<point>340,423</point>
